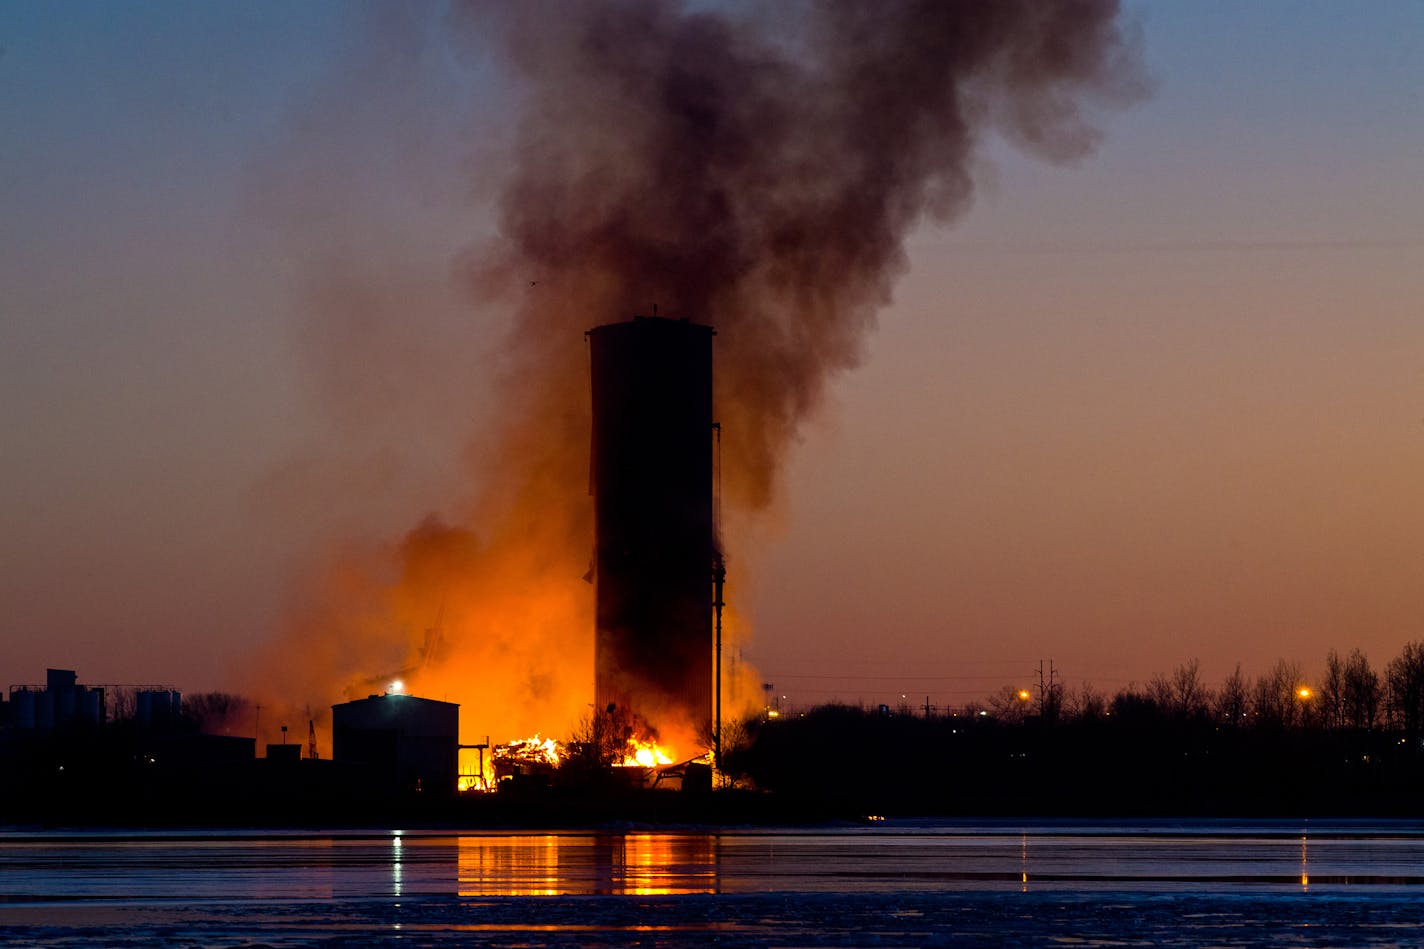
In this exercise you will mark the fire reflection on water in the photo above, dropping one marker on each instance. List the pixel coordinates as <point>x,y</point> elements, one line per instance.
<point>508,866</point>
<point>579,864</point>
<point>662,864</point>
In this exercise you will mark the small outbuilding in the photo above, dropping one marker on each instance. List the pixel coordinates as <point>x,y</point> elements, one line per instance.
<point>403,741</point>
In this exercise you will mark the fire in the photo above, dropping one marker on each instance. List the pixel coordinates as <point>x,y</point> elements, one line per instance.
<point>543,756</point>
<point>526,757</point>
<point>535,750</point>
<point>487,608</point>
<point>645,754</point>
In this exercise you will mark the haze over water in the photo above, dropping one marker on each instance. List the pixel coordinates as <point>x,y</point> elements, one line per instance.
<point>889,883</point>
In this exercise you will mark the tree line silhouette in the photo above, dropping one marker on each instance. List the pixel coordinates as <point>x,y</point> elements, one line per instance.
<point>1348,742</point>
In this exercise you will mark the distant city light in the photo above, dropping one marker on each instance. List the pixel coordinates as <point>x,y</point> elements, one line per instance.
<point>397,687</point>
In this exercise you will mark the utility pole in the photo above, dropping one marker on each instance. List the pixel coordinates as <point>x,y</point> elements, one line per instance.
<point>1046,701</point>
<point>1053,689</point>
<point>719,577</point>
<point>927,707</point>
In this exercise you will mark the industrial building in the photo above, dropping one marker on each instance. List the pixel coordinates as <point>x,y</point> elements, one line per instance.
<point>61,702</point>
<point>157,708</point>
<point>405,742</point>
<point>655,544</point>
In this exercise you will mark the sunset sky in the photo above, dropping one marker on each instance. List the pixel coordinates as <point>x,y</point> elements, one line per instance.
<point>1163,402</point>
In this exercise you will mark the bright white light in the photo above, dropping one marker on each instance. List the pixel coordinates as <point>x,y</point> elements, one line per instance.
<point>397,687</point>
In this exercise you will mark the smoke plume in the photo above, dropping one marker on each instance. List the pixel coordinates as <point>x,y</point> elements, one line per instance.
<point>758,170</point>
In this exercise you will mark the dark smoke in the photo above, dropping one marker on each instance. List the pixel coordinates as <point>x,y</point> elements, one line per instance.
<point>758,170</point>
<point>762,175</point>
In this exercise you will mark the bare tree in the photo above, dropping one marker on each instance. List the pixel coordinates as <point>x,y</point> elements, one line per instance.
<point>1010,704</point>
<point>1050,701</point>
<point>1181,694</point>
<point>217,713</point>
<point>1332,691</point>
<point>1087,704</point>
<point>1159,691</point>
<point>1274,699</point>
<point>1190,696</point>
<point>738,737</point>
<point>1133,704</point>
<point>1404,678</point>
<point>1361,692</point>
<point>1231,701</point>
<point>600,740</point>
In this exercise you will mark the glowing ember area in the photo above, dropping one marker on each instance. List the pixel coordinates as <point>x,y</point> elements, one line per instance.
<point>534,751</point>
<point>645,754</point>
<point>526,758</point>
<point>538,759</point>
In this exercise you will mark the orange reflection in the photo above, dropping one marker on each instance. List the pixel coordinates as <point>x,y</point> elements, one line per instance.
<point>509,866</point>
<point>665,864</point>
<point>580,864</point>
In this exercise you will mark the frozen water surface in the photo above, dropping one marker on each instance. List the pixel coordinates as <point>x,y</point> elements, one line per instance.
<point>890,884</point>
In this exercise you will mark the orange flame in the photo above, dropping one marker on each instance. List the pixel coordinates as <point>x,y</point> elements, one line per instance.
<point>534,750</point>
<point>645,754</point>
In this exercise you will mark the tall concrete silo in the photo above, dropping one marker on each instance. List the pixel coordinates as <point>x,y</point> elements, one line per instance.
<point>654,532</point>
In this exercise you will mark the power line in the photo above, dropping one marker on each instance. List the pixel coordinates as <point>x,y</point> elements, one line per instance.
<point>883,678</point>
<point>793,693</point>
<point>1180,247</point>
<point>752,656</point>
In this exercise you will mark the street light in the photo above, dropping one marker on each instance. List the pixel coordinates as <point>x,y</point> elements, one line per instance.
<point>1304,693</point>
<point>1024,695</point>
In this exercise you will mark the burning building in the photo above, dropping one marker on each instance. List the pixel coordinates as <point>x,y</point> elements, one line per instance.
<point>655,544</point>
